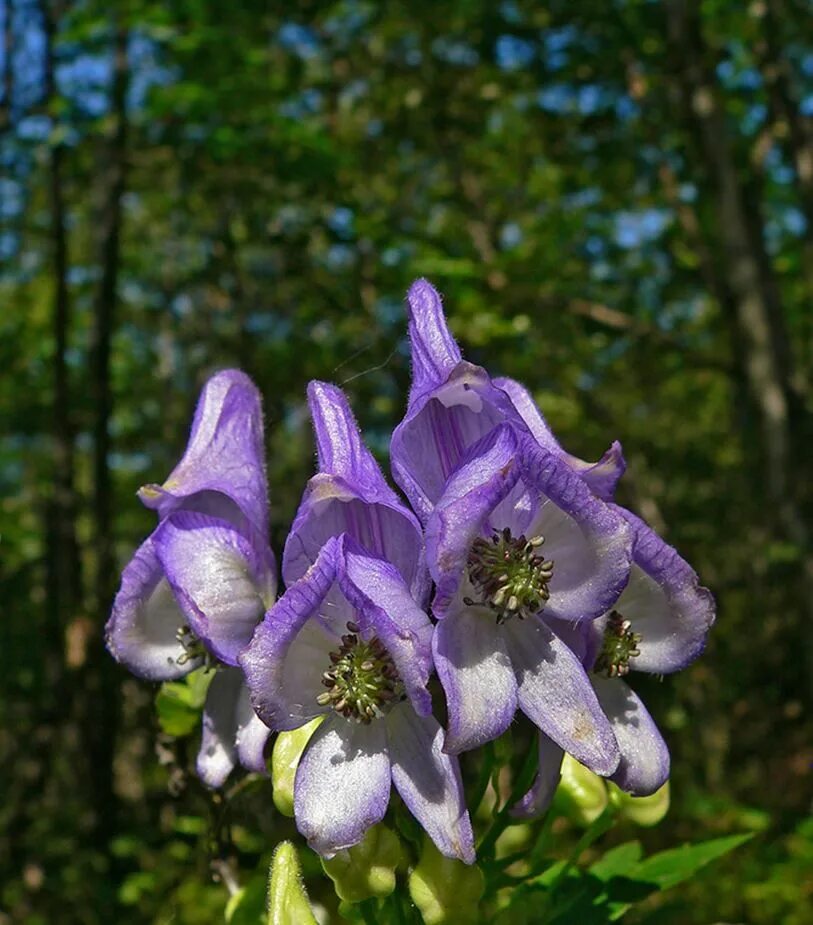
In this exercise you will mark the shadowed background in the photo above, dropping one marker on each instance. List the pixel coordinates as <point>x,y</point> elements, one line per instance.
<point>616,201</point>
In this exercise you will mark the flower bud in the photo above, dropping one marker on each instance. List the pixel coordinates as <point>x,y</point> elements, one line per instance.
<point>645,811</point>
<point>287,899</point>
<point>285,757</point>
<point>581,794</point>
<point>368,868</point>
<point>445,890</point>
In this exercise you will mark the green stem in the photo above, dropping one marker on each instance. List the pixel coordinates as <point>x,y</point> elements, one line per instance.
<point>596,829</point>
<point>502,819</point>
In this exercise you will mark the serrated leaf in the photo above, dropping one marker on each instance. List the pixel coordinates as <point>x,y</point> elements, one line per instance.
<point>668,868</point>
<point>617,861</point>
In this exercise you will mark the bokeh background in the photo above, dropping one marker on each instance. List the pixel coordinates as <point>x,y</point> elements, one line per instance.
<point>616,199</point>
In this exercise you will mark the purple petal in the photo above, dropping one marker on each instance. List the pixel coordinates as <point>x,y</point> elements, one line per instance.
<point>434,351</point>
<point>665,603</point>
<point>385,608</point>
<point>225,454</point>
<point>644,764</point>
<point>223,582</point>
<point>538,798</point>
<point>252,733</point>
<point>342,784</point>
<point>142,632</point>
<point>290,649</point>
<point>553,691</point>
<point>589,543</point>
<point>350,495</point>
<point>602,476</point>
<point>484,479</point>
<point>438,429</point>
<point>429,781</point>
<point>477,678</point>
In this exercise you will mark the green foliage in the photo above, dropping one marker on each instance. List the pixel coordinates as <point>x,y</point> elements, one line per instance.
<point>179,704</point>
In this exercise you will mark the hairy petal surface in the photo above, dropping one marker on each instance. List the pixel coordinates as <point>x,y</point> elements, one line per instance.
<point>342,784</point>
<point>474,668</point>
<point>429,781</point>
<point>222,581</point>
<point>554,692</point>
<point>644,764</point>
<point>142,632</point>
<point>225,454</point>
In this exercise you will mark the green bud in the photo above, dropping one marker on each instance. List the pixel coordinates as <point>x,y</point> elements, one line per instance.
<point>645,811</point>
<point>581,794</point>
<point>446,890</point>
<point>287,900</point>
<point>368,868</point>
<point>288,749</point>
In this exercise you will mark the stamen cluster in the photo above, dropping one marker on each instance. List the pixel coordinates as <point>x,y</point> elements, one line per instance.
<point>620,644</point>
<point>193,648</point>
<point>509,574</point>
<point>362,679</point>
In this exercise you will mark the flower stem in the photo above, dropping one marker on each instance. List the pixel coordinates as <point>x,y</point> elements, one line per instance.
<point>502,819</point>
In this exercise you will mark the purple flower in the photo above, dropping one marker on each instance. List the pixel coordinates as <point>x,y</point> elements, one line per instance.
<point>452,404</point>
<point>347,641</point>
<point>198,585</point>
<point>658,625</point>
<point>516,540</point>
<point>350,495</point>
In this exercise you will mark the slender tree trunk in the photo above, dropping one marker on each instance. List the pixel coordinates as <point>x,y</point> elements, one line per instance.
<point>100,703</point>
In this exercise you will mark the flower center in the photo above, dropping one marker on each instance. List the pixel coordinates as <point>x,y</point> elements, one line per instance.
<point>362,679</point>
<point>510,576</point>
<point>192,647</point>
<point>620,644</point>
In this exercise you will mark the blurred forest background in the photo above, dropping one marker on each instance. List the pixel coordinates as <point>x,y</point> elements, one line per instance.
<point>616,200</point>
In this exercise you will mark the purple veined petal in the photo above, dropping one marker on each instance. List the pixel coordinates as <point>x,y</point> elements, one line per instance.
<point>602,477</point>
<point>290,649</point>
<point>439,428</point>
<point>537,800</point>
<point>434,351</point>
<point>342,784</point>
<point>218,748</point>
<point>350,495</point>
<point>486,476</point>
<point>223,582</point>
<point>477,678</point>
<point>225,454</point>
<point>554,692</point>
<point>590,543</point>
<point>644,764</point>
<point>429,781</point>
<point>665,603</point>
<point>143,629</point>
<point>385,608</point>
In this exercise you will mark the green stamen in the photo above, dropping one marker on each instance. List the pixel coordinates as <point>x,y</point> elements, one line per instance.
<point>362,679</point>
<point>509,575</point>
<point>620,645</point>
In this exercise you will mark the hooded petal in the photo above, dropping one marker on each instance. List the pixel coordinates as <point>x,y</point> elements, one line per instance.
<point>342,784</point>
<point>290,649</point>
<point>434,351</point>
<point>588,541</point>
<point>385,608</point>
<point>553,691</point>
<point>477,678</point>
<point>429,781</point>
<point>143,629</point>
<point>602,476</point>
<point>350,495</point>
<point>225,455</point>
<point>644,764</point>
<point>664,602</point>
<point>223,582</point>
<point>539,797</point>
<point>232,732</point>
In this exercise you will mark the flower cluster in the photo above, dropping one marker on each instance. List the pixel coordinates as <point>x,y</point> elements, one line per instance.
<point>511,575</point>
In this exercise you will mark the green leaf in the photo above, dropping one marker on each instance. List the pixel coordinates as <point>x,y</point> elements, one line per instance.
<point>668,868</point>
<point>617,861</point>
<point>179,703</point>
